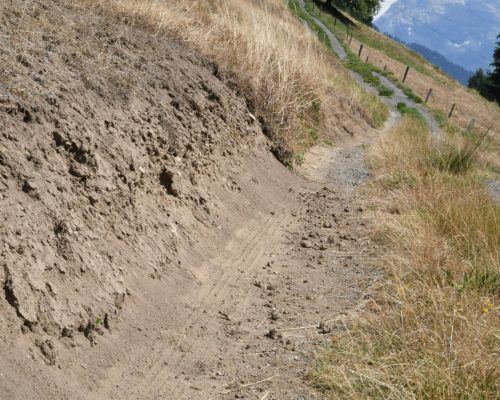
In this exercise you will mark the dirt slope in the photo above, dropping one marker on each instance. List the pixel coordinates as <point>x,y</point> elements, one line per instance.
<point>101,143</point>
<point>149,239</point>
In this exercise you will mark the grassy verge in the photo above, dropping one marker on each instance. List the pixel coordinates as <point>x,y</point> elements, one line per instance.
<point>366,71</point>
<point>406,90</point>
<point>432,331</point>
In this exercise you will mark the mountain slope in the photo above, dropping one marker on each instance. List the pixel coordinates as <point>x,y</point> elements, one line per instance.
<point>463,31</point>
<point>436,58</point>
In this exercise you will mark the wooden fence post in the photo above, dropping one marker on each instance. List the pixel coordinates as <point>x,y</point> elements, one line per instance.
<point>429,93</point>
<point>471,125</point>
<point>360,50</point>
<point>367,58</point>
<point>406,73</point>
<point>452,109</point>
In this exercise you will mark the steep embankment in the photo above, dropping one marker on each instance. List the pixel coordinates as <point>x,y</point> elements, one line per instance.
<point>151,244</point>
<point>116,147</point>
<point>105,138</point>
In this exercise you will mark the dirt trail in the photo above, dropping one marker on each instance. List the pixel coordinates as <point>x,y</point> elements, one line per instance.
<point>251,306</point>
<point>152,247</point>
<point>255,308</point>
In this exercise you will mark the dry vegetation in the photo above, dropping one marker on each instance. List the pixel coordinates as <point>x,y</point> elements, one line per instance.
<point>293,82</point>
<point>432,330</point>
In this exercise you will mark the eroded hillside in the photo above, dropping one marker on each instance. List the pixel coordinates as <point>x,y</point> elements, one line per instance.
<point>128,161</point>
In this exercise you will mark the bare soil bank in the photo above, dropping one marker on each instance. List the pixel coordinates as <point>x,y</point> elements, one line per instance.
<point>149,240</point>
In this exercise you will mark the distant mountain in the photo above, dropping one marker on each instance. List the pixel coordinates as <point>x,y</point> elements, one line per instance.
<point>463,31</point>
<point>454,70</point>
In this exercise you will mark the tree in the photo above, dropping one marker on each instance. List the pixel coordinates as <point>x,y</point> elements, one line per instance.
<point>488,84</point>
<point>481,82</point>
<point>495,74</point>
<point>364,10</point>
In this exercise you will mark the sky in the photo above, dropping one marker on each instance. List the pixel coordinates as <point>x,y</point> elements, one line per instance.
<point>385,6</point>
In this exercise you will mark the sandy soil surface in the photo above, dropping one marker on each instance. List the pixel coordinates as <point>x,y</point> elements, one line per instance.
<point>151,246</point>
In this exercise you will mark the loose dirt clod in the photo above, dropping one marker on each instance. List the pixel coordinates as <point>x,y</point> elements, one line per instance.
<point>323,328</point>
<point>48,351</point>
<point>274,334</point>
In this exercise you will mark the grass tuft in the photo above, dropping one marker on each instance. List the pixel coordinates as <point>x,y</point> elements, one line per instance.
<point>409,111</point>
<point>454,157</point>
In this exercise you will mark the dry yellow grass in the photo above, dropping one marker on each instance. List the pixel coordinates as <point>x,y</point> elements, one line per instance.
<point>433,330</point>
<point>293,82</point>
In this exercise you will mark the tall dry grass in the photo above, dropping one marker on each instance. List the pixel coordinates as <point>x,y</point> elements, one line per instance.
<point>433,329</point>
<point>292,80</point>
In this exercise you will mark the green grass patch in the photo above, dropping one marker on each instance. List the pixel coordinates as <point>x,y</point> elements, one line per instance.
<point>409,111</point>
<point>483,280</point>
<point>385,91</point>
<point>366,71</point>
<point>309,135</point>
<point>454,157</point>
<point>409,93</point>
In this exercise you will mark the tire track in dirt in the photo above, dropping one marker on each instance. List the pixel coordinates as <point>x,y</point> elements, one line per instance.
<point>240,257</point>
<point>243,255</point>
<point>265,266</point>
